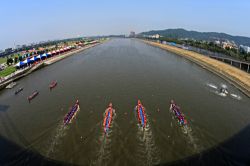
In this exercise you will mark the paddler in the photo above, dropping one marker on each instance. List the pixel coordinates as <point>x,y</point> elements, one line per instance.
<point>109,107</point>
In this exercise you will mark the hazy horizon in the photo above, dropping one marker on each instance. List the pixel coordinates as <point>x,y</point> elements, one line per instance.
<point>29,21</point>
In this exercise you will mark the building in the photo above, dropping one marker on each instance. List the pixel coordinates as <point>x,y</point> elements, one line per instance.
<point>245,49</point>
<point>227,44</point>
<point>132,34</point>
<point>18,46</point>
<point>155,36</point>
<point>217,42</point>
<point>8,50</point>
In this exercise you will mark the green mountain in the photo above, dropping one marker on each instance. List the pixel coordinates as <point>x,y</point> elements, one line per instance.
<point>208,36</point>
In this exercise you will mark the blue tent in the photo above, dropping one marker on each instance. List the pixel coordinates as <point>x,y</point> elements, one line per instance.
<point>44,55</point>
<point>32,60</point>
<point>26,61</point>
<point>172,43</point>
<point>19,64</point>
<point>38,57</point>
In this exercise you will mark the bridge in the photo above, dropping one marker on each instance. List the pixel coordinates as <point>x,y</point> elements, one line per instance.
<point>245,66</point>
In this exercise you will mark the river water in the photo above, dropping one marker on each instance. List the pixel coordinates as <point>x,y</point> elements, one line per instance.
<point>122,71</point>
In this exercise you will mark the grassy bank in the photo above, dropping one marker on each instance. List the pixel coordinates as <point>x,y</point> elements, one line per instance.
<point>239,78</point>
<point>3,60</point>
<point>7,71</point>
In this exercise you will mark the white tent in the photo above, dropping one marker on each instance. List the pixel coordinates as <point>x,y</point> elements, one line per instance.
<point>19,64</point>
<point>25,61</point>
<point>44,55</point>
<point>38,56</point>
<point>33,58</point>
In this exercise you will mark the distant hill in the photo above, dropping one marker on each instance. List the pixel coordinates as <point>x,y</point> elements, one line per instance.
<point>182,33</point>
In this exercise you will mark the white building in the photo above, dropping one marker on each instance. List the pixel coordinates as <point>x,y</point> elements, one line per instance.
<point>245,48</point>
<point>18,46</point>
<point>132,34</point>
<point>217,42</point>
<point>228,44</point>
<point>156,36</point>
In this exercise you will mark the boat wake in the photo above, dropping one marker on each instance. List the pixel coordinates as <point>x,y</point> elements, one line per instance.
<point>189,135</point>
<point>56,139</point>
<point>192,140</point>
<point>147,153</point>
<point>185,129</point>
<point>222,91</point>
<point>215,90</point>
<point>104,153</point>
<point>212,86</point>
<point>220,94</point>
<point>237,97</point>
<point>232,95</point>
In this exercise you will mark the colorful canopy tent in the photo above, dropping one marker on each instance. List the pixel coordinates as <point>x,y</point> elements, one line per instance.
<point>26,61</point>
<point>44,55</point>
<point>38,57</point>
<point>30,60</point>
<point>49,54</point>
<point>33,58</point>
<point>19,64</point>
<point>23,63</point>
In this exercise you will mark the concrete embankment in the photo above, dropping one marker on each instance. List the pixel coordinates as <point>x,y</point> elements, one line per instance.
<point>235,76</point>
<point>25,72</point>
<point>21,74</point>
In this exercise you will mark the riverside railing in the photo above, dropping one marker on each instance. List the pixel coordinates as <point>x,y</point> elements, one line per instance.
<point>242,65</point>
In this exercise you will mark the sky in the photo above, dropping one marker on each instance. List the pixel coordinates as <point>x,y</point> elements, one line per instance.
<point>27,21</point>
